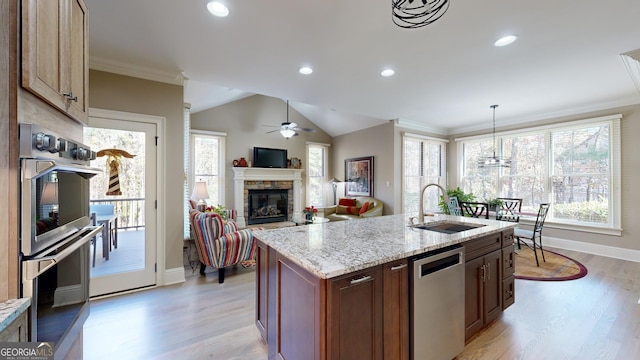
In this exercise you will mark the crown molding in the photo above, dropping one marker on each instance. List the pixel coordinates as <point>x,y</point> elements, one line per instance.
<point>631,61</point>
<point>417,126</point>
<point>524,120</point>
<point>116,67</point>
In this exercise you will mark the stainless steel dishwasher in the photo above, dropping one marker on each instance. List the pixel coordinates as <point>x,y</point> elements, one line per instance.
<point>437,304</point>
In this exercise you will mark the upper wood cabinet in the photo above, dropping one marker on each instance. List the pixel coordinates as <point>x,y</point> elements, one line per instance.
<point>55,54</point>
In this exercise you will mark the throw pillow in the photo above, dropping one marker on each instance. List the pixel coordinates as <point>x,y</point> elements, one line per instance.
<point>347,202</point>
<point>364,207</point>
<point>348,210</point>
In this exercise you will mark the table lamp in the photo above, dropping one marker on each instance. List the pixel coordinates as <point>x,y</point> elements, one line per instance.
<point>50,197</point>
<point>199,194</point>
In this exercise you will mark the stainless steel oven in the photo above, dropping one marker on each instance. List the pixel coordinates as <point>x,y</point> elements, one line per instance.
<point>55,234</point>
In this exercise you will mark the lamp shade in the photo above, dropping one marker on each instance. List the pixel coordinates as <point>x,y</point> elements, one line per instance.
<point>200,191</point>
<point>49,193</point>
<point>334,180</point>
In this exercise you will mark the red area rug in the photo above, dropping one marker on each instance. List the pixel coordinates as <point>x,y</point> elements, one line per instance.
<point>557,267</point>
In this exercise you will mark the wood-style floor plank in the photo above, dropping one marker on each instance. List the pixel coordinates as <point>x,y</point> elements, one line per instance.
<point>596,317</point>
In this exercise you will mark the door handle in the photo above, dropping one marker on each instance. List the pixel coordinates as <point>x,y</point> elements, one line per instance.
<point>360,280</point>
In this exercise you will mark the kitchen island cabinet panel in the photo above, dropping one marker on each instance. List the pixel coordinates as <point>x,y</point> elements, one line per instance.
<point>483,291</point>
<point>295,331</point>
<point>395,282</point>
<point>355,316</point>
<point>262,286</point>
<point>336,294</point>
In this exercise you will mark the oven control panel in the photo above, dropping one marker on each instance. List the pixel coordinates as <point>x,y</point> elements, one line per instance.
<point>38,142</point>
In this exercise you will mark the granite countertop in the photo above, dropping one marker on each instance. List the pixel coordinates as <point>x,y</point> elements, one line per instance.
<point>337,248</point>
<point>11,309</point>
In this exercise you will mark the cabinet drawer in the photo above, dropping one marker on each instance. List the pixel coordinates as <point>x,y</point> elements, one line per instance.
<point>507,238</point>
<point>481,246</point>
<point>508,261</point>
<point>508,292</point>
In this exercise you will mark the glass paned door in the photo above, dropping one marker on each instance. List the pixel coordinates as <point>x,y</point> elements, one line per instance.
<point>122,200</point>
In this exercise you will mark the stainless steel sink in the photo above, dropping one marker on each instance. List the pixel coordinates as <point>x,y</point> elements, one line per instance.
<point>447,227</point>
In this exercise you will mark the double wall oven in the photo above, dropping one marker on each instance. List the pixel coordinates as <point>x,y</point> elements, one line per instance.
<point>55,234</point>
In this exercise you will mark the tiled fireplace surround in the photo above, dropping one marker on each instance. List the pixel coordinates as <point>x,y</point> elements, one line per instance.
<point>246,178</point>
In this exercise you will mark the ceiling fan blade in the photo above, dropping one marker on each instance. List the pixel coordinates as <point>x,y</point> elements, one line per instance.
<point>271,126</point>
<point>304,129</point>
<point>272,131</point>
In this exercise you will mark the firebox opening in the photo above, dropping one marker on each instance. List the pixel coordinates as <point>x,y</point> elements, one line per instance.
<point>266,206</point>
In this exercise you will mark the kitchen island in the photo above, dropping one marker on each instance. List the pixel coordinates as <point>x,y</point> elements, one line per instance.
<point>324,291</point>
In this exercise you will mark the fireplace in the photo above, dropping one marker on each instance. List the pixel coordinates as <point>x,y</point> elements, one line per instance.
<point>266,206</point>
<point>248,178</point>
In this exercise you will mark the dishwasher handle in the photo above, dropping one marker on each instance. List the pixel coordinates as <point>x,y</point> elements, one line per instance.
<point>442,261</point>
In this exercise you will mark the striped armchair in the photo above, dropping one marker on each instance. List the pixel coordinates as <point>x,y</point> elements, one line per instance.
<point>220,244</point>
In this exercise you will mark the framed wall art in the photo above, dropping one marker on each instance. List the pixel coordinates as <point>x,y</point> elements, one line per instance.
<point>358,174</point>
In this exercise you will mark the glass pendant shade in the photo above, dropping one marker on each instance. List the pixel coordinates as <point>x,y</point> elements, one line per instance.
<point>493,160</point>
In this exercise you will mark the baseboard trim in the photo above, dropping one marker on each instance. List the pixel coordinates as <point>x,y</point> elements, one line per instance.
<point>595,249</point>
<point>173,276</point>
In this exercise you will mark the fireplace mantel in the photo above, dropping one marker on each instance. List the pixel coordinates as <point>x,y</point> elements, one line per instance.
<point>242,174</point>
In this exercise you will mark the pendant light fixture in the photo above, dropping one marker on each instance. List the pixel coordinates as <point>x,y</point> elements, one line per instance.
<point>494,161</point>
<point>411,14</point>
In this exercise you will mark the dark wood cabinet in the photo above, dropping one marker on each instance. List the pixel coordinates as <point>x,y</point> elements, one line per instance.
<point>483,282</point>
<point>508,270</point>
<point>483,291</point>
<point>489,279</point>
<point>395,285</point>
<point>354,315</point>
<point>262,286</point>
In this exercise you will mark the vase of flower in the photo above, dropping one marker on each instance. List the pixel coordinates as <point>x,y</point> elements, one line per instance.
<point>309,213</point>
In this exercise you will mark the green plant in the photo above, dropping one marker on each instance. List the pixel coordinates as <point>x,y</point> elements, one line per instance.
<point>218,209</point>
<point>494,203</point>
<point>458,193</point>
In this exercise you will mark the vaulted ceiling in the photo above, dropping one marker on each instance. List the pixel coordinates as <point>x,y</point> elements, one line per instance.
<point>447,74</point>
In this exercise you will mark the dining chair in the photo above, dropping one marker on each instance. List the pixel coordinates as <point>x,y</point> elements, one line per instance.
<point>520,233</point>
<point>475,209</point>
<point>454,206</point>
<point>509,209</point>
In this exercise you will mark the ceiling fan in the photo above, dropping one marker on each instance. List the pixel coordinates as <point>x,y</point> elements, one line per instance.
<point>289,129</point>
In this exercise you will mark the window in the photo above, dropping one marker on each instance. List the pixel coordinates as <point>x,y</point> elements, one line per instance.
<point>207,164</point>
<point>423,163</point>
<point>574,166</point>
<point>316,173</point>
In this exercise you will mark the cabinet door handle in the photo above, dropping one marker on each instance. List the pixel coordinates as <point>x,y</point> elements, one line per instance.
<point>398,267</point>
<point>70,96</point>
<point>361,280</point>
<point>488,272</point>
<point>483,275</point>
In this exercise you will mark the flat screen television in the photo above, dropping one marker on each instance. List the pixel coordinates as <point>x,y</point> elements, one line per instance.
<point>269,158</point>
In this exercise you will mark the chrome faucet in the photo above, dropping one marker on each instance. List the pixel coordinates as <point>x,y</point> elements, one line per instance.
<point>444,196</point>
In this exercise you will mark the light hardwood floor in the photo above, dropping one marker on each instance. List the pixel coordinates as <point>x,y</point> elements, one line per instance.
<point>596,317</point>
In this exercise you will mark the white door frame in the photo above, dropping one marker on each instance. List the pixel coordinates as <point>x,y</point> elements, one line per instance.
<point>160,123</point>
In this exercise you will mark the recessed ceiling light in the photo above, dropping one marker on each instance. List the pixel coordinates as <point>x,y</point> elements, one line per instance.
<point>387,72</point>
<point>305,70</point>
<point>217,8</point>
<point>505,40</point>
